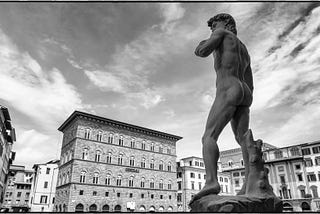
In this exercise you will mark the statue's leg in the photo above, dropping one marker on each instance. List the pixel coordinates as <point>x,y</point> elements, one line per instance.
<point>220,114</point>
<point>240,125</point>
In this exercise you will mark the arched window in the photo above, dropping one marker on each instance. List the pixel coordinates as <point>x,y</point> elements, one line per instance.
<point>152,146</point>
<point>64,208</point>
<point>170,185</point>
<point>105,208</point>
<point>168,151</point>
<point>117,208</point>
<point>161,184</point>
<point>93,208</point>
<point>60,208</point>
<point>121,140</point>
<point>97,156</point>
<point>161,209</point>
<point>99,136</point>
<point>143,163</point>
<point>152,164</point>
<point>95,178</point>
<point>108,179</point>
<point>87,133</point>
<point>132,143</point>
<point>152,183</point>
<point>85,154</point>
<point>119,178</point>
<point>161,165</point>
<point>143,145</point>
<point>131,181</point>
<point>110,138</point>
<point>169,166</point>
<point>79,208</point>
<point>142,182</point>
<point>109,155</point>
<point>82,177</point>
<point>132,161</point>
<point>120,159</point>
<point>170,209</point>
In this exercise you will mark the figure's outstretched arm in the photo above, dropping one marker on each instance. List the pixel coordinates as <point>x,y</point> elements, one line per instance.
<point>206,47</point>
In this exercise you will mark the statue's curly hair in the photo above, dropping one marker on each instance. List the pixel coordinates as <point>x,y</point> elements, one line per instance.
<point>230,23</point>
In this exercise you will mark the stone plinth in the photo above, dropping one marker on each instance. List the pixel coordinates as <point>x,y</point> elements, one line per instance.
<point>218,203</point>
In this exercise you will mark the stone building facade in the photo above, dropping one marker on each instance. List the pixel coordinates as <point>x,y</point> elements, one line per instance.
<point>18,189</point>
<point>191,177</point>
<point>108,165</point>
<point>7,137</point>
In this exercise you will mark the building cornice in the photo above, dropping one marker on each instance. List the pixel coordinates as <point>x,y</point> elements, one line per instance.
<point>117,124</point>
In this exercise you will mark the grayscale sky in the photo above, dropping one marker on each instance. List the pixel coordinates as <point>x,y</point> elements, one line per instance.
<point>135,62</point>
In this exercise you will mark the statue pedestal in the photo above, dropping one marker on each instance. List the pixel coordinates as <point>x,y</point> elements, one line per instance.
<point>218,203</point>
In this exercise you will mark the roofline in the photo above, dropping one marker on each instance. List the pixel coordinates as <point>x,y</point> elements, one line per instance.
<point>191,157</point>
<point>152,132</point>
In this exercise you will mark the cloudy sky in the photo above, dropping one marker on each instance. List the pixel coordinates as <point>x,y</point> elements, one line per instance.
<point>135,62</point>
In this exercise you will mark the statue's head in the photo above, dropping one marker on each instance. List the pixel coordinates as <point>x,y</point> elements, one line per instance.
<point>227,19</point>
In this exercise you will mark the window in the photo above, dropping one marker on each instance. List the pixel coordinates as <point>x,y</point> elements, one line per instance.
<point>143,145</point>
<point>179,197</point>
<point>317,161</point>
<point>221,179</point>
<point>142,195</point>
<point>45,184</point>
<point>160,149</point>
<point>303,193</point>
<point>107,194</point>
<point>280,168</point>
<point>81,192</point>
<point>118,194</point>
<point>19,194</point>
<point>152,196</point>
<point>99,136</point>
<point>82,177</point>
<point>278,154</point>
<point>131,181</point>
<point>161,196</point>
<point>27,194</point>
<point>94,193</point>
<point>161,184</point>
<point>236,174</point>
<point>282,179</point>
<point>87,134</point>
<point>152,183</point>
<point>119,180</point>
<point>190,163</point>
<point>168,151</point>
<point>308,162</point>
<point>161,165</point>
<point>142,182</point>
<point>169,167</point>
<point>230,163</point>
<point>170,197</point>
<point>169,185</point>
<point>121,141</point>
<point>192,184</point>
<point>152,164</point>
<point>298,167</point>
<point>241,162</point>
<point>306,151</point>
<point>85,154</point>
<point>152,147</point>
<point>314,191</point>
<point>316,150</point>
<point>236,181</point>
<point>179,185</point>
<point>130,195</point>
<point>110,138</point>
<point>311,177</point>
<point>199,176</point>
<point>299,177</point>
<point>192,175</point>
<point>108,179</point>
<point>109,157</point>
<point>200,185</point>
<point>132,143</point>
<point>48,171</point>
<point>95,179</point>
<point>43,199</point>
<point>120,159</point>
<point>295,151</point>
<point>196,163</point>
<point>97,156</point>
<point>143,163</point>
<point>131,161</point>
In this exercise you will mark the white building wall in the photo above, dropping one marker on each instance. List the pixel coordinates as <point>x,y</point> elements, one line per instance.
<point>39,190</point>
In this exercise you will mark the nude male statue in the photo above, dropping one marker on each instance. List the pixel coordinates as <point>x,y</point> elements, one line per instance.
<point>233,95</point>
